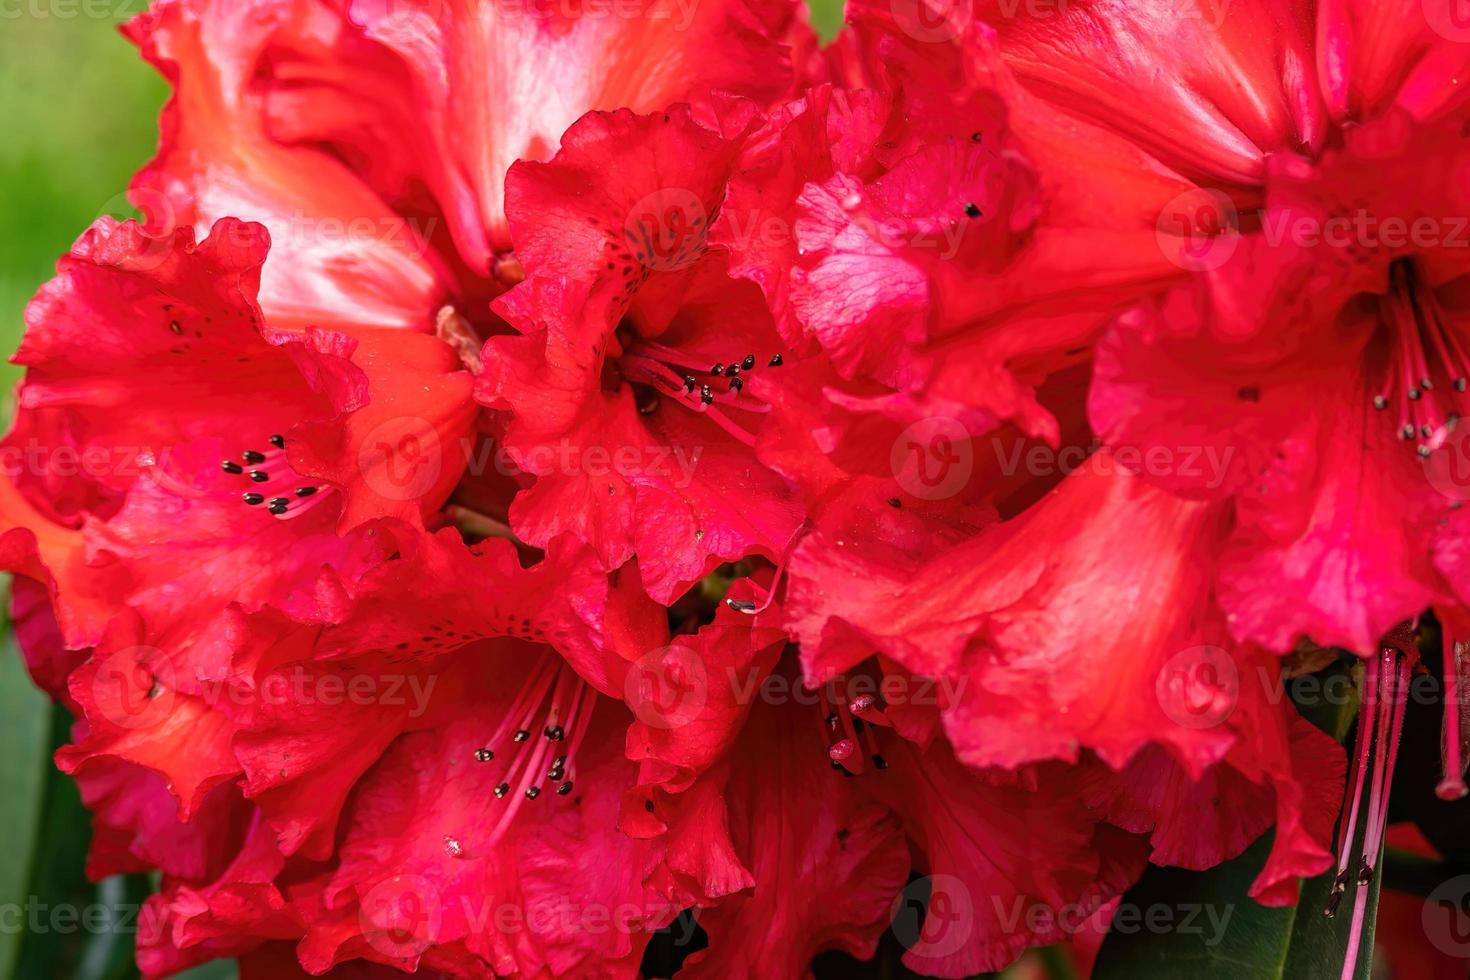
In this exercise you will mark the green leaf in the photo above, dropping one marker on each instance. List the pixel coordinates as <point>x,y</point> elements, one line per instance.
<point>218,970</point>
<point>1234,937</point>
<point>25,731</point>
<point>1205,923</point>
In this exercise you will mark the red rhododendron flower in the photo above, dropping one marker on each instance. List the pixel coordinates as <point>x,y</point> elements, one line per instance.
<point>557,475</point>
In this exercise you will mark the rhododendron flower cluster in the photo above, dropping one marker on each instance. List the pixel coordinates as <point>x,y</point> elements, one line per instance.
<point>569,471</point>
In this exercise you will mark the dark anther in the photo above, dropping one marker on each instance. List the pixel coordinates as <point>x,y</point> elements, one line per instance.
<point>689,382</point>
<point>648,805</point>
<point>278,505</point>
<point>775,360</point>
<point>1414,394</point>
<point>555,773</point>
<point>736,384</point>
<point>1379,402</point>
<point>1365,873</point>
<point>305,491</point>
<point>555,733</point>
<point>253,499</point>
<point>749,362</point>
<point>879,762</point>
<point>972,210</point>
<point>705,395</point>
<point>741,605</point>
<point>278,441</point>
<point>563,789</point>
<point>532,792</point>
<point>1332,903</point>
<point>483,755</point>
<point>252,457</point>
<point>732,370</point>
<point>521,735</point>
<point>1460,384</point>
<point>257,476</point>
<point>717,370</point>
<point>894,502</point>
<point>501,790</point>
<point>231,467</point>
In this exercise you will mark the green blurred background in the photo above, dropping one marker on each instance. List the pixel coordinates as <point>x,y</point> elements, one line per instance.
<point>78,110</point>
